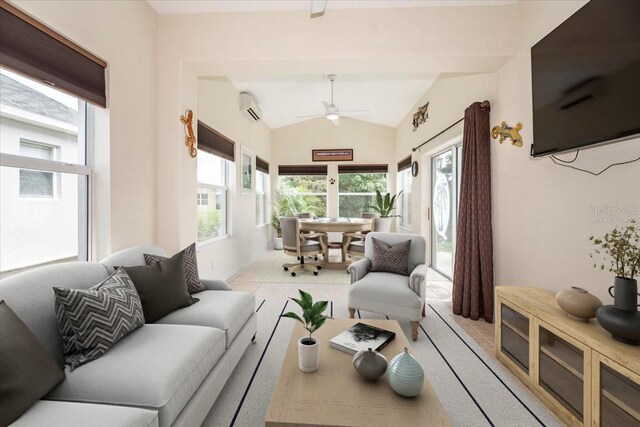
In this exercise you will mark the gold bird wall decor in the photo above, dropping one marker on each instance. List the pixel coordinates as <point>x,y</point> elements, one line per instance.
<point>505,131</point>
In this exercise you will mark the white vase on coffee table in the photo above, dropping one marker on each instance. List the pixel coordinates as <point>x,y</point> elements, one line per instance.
<point>308,354</point>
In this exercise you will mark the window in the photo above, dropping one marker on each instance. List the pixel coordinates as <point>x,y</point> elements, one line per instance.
<point>212,185</point>
<point>203,199</point>
<point>404,200</point>
<point>306,193</point>
<point>357,191</point>
<point>44,175</point>
<point>262,186</point>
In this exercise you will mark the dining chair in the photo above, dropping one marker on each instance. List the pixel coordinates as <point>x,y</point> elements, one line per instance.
<point>300,246</point>
<point>354,244</point>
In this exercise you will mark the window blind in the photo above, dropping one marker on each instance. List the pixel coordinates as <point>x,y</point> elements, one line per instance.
<point>404,164</point>
<point>262,165</point>
<point>302,170</point>
<point>214,142</point>
<point>363,168</point>
<point>29,47</point>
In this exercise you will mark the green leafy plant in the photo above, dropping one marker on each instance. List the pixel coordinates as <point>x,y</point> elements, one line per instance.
<point>384,204</point>
<point>312,318</point>
<point>280,208</point>
<point>622,249</point>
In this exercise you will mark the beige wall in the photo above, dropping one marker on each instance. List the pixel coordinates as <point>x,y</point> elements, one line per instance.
<point>371,144</point>
<point>219,107</point>
<point>541,214</point>
<point>123,33</point>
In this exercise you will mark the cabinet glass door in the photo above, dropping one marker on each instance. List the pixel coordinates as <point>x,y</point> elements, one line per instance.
<point>514,337</point>
<point>619,399</point>
<point>562,371</point>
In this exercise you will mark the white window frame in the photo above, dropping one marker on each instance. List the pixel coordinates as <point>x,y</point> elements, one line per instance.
<point>225,209</point>
<point>404,207</point>
<point>201,197</point>
<point>262,194</point>
<point>55,179</point>
<point>85,139</point>
<point>386,190</point>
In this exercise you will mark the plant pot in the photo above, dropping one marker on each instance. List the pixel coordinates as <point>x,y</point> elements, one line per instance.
<point>625,294</point>
<point>623,325</point>
<point>277,243</point>
<point>384,224</point>
<point>578,303</point>
<point>308,354</point>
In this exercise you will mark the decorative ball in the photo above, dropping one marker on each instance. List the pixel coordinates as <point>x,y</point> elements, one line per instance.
<point>406,375</point>
<point>370,364</point>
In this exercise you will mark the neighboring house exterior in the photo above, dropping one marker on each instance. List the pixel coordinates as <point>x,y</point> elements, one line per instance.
<point>38,209</point>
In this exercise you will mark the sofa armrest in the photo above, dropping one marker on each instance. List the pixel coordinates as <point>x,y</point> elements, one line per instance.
<point>215,285</point>
<point>359,269</point>
<point>418,280</point>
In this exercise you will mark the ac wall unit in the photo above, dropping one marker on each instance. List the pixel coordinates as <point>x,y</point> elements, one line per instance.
<point>250,108</point>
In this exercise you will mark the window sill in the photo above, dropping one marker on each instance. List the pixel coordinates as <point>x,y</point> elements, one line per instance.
<point>211,242</point>
<point>262,225</point>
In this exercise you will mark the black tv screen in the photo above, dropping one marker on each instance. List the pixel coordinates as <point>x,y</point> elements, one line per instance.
<point>586,78</point>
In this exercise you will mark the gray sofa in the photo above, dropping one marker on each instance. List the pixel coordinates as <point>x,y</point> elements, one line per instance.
<point>164,374</point>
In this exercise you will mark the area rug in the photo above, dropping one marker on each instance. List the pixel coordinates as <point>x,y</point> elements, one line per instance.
<point>273,272</point>
<point>474,389</point>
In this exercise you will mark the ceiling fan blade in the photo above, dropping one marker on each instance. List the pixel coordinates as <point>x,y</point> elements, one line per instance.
<point>336,122</point>
<point>311,115</point>
<point>355,111</point>
<point>318,7</point>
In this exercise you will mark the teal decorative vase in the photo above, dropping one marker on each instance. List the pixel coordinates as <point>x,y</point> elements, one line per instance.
<point>406,375</point>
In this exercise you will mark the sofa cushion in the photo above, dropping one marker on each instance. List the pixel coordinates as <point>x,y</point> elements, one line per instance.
<point>66,414</point>
<point>391,258</point>
<point>191,276</point>
<point>386,293</point>
<point>93,320</point>
<point>27,372</point>
<point>161,286</point>
<point>155,367</point>
<point>224,310</point>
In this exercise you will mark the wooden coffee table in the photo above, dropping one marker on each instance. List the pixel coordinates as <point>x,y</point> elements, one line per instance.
<point>336,395</point>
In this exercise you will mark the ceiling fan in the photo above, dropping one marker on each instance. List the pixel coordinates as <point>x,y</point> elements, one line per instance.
<point>332,113</point>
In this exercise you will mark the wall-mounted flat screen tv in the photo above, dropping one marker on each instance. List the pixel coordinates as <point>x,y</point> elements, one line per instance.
<point>586,78</point>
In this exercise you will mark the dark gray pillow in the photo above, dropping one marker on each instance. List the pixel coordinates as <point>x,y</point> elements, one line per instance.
<point>93,320</point>
<point>390,258</point>
<point>191,276</point>
<point>161,286</point>
<point>27,372</point>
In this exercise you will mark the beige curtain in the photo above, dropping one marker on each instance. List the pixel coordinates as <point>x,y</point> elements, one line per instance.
<point>473,273</point>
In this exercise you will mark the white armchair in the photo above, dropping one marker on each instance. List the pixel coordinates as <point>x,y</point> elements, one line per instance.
<point>402,297</point>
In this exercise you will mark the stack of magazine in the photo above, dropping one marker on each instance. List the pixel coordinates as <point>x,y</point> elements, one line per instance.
<point>361,337</point>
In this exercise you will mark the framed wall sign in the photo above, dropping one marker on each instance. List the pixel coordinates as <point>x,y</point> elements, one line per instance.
<point>248,170</point>
<point>339,155</point>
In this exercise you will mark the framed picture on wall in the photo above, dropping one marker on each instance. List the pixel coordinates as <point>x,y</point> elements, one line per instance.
<point>248,171</point>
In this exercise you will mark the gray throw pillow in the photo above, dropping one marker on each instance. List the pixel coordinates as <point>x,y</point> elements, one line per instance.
<point>391,258</point>
<point>93,320</point>
<point>161,286</point>
<point>191,276</point>
<point>27,372</point>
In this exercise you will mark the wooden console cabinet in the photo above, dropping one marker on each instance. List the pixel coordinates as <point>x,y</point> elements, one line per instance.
<point>582,374</point>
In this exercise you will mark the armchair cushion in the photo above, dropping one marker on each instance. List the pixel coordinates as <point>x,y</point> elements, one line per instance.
<point>392,258</point>
<point>215,285</point>
<point>386,293</point>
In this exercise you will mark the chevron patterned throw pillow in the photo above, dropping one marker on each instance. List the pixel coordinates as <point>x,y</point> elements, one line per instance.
<point>391,258</point>
<point>191,276</point>
<point>92,320</point>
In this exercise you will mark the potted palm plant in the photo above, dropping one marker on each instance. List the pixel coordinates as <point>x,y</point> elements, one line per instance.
<point>312,319</point>
<point>384,205</point>
<point>280,208</point>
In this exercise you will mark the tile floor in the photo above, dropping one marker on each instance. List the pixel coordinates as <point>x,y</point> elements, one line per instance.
<point>439,288</point>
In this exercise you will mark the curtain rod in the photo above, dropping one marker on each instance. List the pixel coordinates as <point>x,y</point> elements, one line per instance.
<point>485,104</point>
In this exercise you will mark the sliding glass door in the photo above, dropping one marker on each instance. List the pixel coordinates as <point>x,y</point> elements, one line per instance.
<point>445,178</point>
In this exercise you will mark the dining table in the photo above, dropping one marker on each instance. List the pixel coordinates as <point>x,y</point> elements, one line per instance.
<point>345,226</point>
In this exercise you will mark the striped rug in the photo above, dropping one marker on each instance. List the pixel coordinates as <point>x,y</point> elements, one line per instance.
<point>474,389</point>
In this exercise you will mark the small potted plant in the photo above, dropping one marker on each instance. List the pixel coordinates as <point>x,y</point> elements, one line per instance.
<point>384,206</point>
<point>312,319</point>
<point>621,248</point>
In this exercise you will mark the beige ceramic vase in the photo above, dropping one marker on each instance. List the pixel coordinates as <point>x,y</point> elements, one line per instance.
<point>578,303</point>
